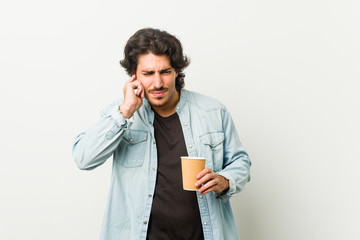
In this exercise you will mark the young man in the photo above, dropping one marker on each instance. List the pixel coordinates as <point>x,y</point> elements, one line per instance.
<point>147,132</point>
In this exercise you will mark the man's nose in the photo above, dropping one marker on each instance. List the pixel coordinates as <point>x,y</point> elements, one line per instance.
<point>158,83</point>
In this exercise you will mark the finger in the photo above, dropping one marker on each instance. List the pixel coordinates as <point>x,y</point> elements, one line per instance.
<point>203,172</point>
<point>212,189</point>
<point>208,187</point>
<point>143,94</point>
<point>139,90</point>
<point>207,177</point>
<point>133,77</point>
<point>135,84</point>
<point>132,88</point>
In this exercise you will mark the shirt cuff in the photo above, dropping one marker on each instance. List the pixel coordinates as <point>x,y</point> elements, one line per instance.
<point>116,114</point>
<point>226,195</point>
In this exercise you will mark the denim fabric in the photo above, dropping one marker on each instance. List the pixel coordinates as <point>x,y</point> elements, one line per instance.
<point>208,131</point>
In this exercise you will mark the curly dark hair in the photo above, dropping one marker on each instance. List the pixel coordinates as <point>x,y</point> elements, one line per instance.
<point>155,41</point>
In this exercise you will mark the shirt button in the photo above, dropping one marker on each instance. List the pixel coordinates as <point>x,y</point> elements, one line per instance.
<point>212,143</point>
<point>153,169</point>
<point>205,223</point>
<point>190,146</point>
<point>150,195</point>
<point>185,124</point>
<point>150,122</point>
<point>145,222</point>
<point>177,108</point>
<point>131,140</point>
<point>201,196</point>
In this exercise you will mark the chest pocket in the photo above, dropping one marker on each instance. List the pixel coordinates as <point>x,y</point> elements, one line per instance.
<point>213,143</point>
<point>131,151</point>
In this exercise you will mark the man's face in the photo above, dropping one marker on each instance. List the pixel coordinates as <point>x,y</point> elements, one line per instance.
<point>158,78</point>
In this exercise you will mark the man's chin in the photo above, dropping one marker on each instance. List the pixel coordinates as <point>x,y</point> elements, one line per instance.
<point>157,103</point>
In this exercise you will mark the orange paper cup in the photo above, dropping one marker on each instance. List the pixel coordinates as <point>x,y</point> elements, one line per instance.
<point>190,167</point>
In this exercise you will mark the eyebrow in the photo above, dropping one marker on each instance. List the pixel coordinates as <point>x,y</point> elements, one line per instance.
<point>151,72</point>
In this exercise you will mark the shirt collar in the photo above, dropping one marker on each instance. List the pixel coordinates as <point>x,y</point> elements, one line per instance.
<point>181,103</point>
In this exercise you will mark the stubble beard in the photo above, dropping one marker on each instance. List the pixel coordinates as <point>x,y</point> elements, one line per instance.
<point>153,101</point>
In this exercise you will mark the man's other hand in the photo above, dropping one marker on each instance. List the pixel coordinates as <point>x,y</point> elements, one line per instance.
<point>210,181</point>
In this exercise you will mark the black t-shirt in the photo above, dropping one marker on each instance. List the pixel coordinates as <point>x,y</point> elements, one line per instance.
<point>175,212</point>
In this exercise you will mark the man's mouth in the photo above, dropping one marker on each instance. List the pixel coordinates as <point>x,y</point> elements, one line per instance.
<point>158,94</point>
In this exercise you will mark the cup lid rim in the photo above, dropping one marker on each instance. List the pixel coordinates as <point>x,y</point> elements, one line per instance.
<point>195,158</point>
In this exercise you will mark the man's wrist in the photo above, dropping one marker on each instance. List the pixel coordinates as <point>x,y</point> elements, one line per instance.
<point>227,185</point>
<point>125,111</point>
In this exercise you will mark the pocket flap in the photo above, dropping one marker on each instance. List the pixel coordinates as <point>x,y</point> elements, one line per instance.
<point>135,136</point>
<point>212,139</point>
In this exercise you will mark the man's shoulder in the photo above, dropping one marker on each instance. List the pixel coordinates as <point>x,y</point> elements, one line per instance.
<point>203,101</point>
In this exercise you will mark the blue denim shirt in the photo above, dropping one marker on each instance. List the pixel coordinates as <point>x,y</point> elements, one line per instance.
<point>208,131</point>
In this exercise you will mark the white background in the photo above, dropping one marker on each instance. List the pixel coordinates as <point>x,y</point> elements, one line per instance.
<point>287,70</point>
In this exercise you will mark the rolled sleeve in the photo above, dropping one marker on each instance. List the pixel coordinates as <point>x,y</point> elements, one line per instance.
<point>116,114</point>
<point>93,147</point>
<point>226,195</point>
